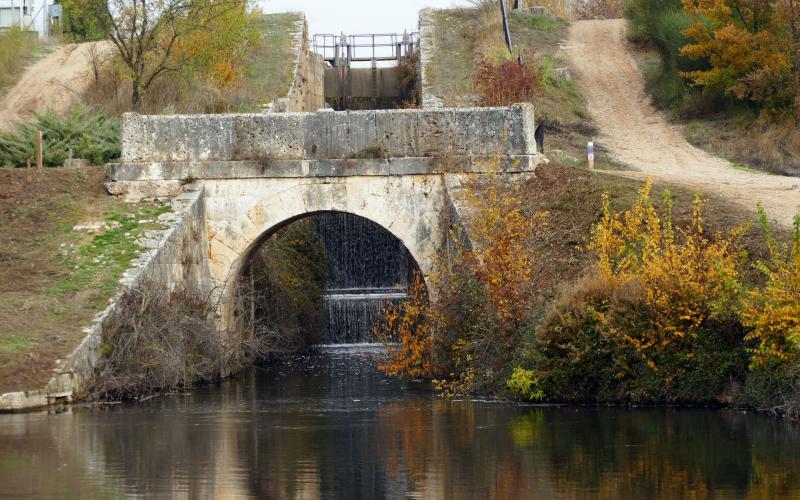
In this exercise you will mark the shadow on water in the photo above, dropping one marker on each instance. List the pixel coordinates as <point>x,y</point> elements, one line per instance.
<point>328,425</point>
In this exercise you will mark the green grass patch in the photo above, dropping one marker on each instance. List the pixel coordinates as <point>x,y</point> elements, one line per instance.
<point>14,344</point>
<point>98,264</point>
<point>539,23</point>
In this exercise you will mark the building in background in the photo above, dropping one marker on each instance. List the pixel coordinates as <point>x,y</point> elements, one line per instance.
<point>40,16</point>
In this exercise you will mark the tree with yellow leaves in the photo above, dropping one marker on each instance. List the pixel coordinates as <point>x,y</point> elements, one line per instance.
<point>752,47</point>
<point>157,37</point>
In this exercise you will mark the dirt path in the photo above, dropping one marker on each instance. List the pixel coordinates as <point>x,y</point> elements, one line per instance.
<point>639,136</point>
<point>53,83</point>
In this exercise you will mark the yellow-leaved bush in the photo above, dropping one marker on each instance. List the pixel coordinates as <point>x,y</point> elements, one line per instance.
<point>772,312</point>
<point>689,279</point>
<point>654,320</point>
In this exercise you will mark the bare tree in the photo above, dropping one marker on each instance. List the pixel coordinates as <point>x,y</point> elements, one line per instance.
<point>146,34</point>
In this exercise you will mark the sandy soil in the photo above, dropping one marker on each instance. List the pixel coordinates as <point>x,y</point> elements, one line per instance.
<point>637,135</point>
<point>52,84</point>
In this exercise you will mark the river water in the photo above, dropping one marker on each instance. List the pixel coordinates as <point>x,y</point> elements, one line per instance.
<point>330,426</point>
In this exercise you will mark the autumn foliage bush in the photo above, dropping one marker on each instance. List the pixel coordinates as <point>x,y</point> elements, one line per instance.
<point>753,49</point>
<point>745,51</point>
<point>506,82</point>
<point>465,337</point>
<point>668,312</point>
<point>772,315</point>
<point>772,312</point>
<point>407,334</point>
<point>657,319</point>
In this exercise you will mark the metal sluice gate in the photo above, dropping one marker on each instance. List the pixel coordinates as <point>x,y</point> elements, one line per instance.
<point>344,49</point>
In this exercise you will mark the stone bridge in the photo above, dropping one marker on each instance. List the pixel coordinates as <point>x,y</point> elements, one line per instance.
<point>252,174</point>
<point>233,180</point>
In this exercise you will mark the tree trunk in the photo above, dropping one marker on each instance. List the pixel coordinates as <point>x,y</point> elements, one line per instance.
<point>136,96</point>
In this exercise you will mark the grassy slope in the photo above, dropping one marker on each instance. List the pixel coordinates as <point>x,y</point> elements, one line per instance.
<point>467,35</point>
<point>572,199</point>
<point>270,69</point>
<point>565,188</point>
<point>54,279</point>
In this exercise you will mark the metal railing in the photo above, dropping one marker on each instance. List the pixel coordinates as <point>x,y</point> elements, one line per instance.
<point>339,49</point>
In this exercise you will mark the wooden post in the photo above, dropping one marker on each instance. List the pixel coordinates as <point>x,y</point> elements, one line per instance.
<point>39,149</point>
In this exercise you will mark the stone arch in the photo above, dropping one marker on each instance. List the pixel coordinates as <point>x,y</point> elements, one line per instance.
<point>241,216</point>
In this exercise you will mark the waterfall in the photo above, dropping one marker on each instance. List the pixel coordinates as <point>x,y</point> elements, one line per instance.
<point>369,269</point>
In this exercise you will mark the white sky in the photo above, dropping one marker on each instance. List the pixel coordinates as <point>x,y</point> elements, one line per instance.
<point>358,16</point>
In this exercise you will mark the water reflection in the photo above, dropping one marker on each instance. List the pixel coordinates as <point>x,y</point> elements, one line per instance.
<point>329,426</point>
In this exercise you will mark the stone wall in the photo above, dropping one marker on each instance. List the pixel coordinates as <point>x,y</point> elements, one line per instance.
<point>307,92</point>
<point>427,39</point>
<point>175,258</point>
<point>161,153</point>
<point>328,135</point>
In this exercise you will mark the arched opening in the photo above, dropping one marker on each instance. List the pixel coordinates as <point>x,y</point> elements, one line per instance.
<point>320,278</point>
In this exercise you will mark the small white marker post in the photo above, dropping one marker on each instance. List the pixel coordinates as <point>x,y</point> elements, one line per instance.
<point>590,155</point>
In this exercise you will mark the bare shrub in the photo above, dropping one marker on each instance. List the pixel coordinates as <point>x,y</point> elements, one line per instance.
<point>158,341</point>
<point>410,83</point>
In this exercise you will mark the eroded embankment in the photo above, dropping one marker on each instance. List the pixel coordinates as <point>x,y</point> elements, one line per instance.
<point>54,83</point>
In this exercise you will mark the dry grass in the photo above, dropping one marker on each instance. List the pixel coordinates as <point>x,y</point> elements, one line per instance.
<point>18,50</point>
<point>745,140</point>
<point>45,299</point>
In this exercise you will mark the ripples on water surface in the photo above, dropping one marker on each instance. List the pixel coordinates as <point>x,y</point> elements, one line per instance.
<point>330,426</point>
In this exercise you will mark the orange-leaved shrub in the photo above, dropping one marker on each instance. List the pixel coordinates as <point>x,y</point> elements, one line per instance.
<point>506,82</point>
<point>688,279</point>
<point>407,334</point>
<point>465,337</point>
<point>752,50</point>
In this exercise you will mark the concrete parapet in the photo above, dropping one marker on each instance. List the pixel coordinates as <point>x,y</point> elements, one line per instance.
<point>329,135</point>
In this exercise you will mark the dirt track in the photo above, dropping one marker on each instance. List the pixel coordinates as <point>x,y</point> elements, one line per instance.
<point>639,136</point>
<point>52,84</point>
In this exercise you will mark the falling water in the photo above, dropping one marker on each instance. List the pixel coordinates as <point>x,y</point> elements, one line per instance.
<point>369,270</point>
